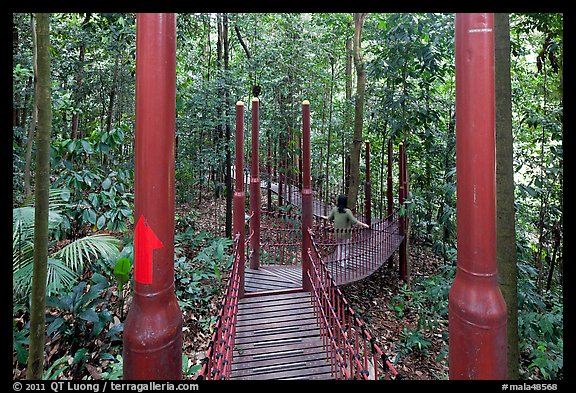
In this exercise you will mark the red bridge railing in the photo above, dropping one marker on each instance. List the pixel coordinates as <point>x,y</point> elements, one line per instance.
<point>352,350</point>
<point>218,360</point>
<point>354,253</point>
<point>280,238</point>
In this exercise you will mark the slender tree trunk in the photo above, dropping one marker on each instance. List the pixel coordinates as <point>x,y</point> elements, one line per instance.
<point>79,82</point>
<point>505,222</point>
<point>327,187</point>
<point>358,111</point>
<point>42,185</point>
<point>112,95</point>
<point>32,128</point>
<point>347,116</point>
<point>229,193</point>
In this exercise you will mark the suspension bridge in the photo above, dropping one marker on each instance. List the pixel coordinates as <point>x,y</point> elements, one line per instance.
<point>283,314</point>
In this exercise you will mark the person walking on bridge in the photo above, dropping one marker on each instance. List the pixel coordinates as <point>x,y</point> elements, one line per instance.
<point>343,219</point>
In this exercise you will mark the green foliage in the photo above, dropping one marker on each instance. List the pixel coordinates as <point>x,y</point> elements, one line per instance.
<point>122,269</point>
<point>115,371</point>
<point>199,279</point>
<point>64,265</point>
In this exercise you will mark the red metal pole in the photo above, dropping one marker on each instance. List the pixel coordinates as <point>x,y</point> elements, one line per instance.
<point>153,327</point>
<point>255,188</point>
<point>269,169</point>
<point>402,219</point>
<point>389,180</point>
<point>239,195</point>
<point>389,201</point>
<point>306,195</point>
<point>368,192</point>
<point>477,311</point>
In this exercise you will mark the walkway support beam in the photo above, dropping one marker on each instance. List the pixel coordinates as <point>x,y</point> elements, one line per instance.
<point>477,311</point>
<point>255,188</point>
<point>153,328</point>
<point>306,196</point>
<point>239,202</point>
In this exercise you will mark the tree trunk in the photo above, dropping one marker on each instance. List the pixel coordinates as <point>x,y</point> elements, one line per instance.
<point>42,180</point>
<point>229,193</point>
<point>506,235</point>
<point>112,95</point>
<point>327,187</point>
<point>32,128</point>
<point>79,82</point>
<point>358,111</point>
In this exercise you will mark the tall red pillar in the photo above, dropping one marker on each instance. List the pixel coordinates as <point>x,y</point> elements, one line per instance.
<point>306,195</point>
<point>368,189</point>
<point>153,328</point>
<point>255,188</point>
<point>477,311</point>
<point>402,193</point>
<point>389,201</point>
<point>239,201</point>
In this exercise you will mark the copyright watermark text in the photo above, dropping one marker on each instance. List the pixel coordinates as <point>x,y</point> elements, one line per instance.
<point>103,386</point>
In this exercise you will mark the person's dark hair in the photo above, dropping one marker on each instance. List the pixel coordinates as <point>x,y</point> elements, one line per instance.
<point>342,203</point>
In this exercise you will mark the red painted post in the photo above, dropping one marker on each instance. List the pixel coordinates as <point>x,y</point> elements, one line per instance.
<point>389,201</point>
<point>153,327</point>
<point>389,180</point>
<point>306,195</point>
<point>368,192</point>
<point>255,188</point>
<point>477,311</point>
<point>402,219</point>
<point>269,169</point>
<point>239,195</point>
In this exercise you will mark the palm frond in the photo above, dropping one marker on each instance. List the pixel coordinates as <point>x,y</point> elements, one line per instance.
<point>79,253</point>
<point>59,278</point>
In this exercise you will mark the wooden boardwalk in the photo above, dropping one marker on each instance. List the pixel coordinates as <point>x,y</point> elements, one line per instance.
<point>277,338</point>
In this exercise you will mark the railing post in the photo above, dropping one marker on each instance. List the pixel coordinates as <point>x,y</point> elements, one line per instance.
<point>368,192</point>
<point>269,184</point>
<point>402,218</point>
<point>389,201</point>
<point>153,327</point>
<point>476,308</point>
<point>255,188</point>
<point>240,196</point>
<point>306,195</point>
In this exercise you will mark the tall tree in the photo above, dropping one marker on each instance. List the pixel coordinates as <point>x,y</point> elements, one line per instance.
<point>42,185</point>
<point>32,127</point>
<point>358,110</point>
<point>505,220</point>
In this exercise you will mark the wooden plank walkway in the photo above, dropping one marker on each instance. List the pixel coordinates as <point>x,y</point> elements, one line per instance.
<point>272,278</point>
<point>277,338</point>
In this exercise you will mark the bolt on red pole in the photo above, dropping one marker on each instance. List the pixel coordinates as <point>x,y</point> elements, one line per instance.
<point>153,327</point>
<point>255,188</point>
<point>239,195</point>
<point>306,195</point>
<point>477,311</point>
<point>368,191</point>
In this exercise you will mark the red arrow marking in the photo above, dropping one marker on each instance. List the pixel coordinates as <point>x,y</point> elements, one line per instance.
<point>145,241</point>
